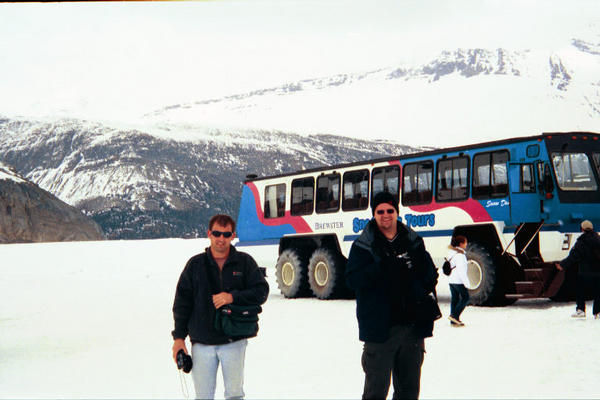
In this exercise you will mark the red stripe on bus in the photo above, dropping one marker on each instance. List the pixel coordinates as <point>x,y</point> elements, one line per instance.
<point>472,207</point>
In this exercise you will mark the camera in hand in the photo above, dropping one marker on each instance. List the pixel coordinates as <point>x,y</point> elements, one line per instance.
<point>184,361</point>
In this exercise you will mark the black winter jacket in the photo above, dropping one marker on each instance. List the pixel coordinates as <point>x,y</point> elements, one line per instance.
<point>193,309</point>
<point>378,287</point>
<point>585,253</point>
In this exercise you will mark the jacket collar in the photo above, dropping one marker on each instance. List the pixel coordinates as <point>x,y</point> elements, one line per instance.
<point>367,237</point>
<point>231,257</point>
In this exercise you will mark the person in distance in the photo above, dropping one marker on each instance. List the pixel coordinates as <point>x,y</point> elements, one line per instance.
<point>585,254</point>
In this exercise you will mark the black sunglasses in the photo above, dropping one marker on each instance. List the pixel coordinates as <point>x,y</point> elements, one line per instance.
<point>219,233</point>
<point>389,211</point>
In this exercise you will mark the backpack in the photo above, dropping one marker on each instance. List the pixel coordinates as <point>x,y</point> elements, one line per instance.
<point>446,267</point>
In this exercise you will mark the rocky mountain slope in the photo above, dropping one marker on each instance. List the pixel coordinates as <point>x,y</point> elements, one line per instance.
<point>30,214</point>
<point>136,185</point>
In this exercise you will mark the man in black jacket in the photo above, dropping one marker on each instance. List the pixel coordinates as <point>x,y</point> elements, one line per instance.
<point>392,274</point>
<point>585,254</point>
<point>210,280</point>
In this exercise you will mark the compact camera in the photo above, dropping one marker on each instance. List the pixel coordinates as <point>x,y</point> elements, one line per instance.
<point>184,361</point>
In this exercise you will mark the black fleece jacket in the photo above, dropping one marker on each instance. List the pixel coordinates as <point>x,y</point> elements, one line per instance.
<point>585,254</point>
<point>193,309</point>
<point>389,287</point>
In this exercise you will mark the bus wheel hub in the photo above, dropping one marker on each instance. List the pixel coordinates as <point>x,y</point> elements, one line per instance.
<point>321,273</point>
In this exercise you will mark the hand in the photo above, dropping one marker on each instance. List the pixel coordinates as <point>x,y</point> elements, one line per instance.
<point>222,299</point>
<point>178,345</point>
<point>558,266</point>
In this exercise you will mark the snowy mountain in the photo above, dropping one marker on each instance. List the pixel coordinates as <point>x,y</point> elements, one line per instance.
<point>466,94</point>
<point>136,185</point>
<point>163,175</point>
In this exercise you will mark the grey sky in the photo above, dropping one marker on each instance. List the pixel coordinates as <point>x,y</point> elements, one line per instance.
<point>122,58</point>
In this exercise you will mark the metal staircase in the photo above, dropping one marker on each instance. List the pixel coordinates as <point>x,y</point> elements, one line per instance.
<point>539,279</point>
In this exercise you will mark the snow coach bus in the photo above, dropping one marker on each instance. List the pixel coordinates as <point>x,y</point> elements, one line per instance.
<point>519,202</point>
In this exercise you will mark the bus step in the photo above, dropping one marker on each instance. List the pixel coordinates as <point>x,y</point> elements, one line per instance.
<point>516,296</point>
<point>537,274</point>
<point>555,285</point>
<point>529,288</point>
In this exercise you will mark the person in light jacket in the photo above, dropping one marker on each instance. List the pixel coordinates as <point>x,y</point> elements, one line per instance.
<point>458,278</point>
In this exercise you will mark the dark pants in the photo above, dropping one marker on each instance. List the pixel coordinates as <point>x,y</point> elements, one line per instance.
<point>588,284</point>
<point>460,299</point>
<point>400,357</point>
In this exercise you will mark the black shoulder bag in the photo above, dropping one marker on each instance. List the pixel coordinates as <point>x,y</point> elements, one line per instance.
<point>237,321</point>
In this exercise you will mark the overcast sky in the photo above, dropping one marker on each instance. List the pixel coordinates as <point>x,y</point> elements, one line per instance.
<point>119,58</point>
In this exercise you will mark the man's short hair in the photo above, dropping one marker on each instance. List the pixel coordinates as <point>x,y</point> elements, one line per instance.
<point>223,220</point>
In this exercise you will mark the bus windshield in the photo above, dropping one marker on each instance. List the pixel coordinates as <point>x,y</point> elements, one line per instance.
<point>574,171</point>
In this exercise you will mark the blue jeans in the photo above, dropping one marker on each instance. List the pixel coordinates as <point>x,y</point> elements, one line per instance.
<point>460,299</point>
<point>206,360</point>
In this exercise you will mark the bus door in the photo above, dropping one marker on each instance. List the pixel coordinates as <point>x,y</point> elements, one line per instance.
<point>524,197</point>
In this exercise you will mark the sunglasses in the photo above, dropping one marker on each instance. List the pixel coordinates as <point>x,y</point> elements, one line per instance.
<point>219,233</point>
<point>389,211</point>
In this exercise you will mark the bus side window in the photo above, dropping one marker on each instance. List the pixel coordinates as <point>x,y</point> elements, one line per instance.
<point>490,175</point>
<point>274,205</point>
<point>417,183</point>
<point>386,179</point>
<point>303,190</point>
<point>356,190</point>
<point>453,179</point>
<point>328,193</point>
<point>527,179</point>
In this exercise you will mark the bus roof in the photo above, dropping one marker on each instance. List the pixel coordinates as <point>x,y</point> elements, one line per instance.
<point>424,153</point>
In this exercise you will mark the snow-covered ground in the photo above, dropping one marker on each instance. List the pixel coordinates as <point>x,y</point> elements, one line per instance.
<point>93,320</point>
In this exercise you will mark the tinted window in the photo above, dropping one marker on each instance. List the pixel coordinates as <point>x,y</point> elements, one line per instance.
<point>490,175</point>
<point>328,193</point>
<point>356,190</point>
<point>302,196</point>
<point>274,201</point>
<point>453,179</point>
<point>417,183</point>
<point>573,171</point>
<point>386,179</point>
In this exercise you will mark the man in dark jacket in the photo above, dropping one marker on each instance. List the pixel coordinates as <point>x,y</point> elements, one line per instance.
<point>392,274</point>
<point>210,280</point>
<point>586,255</point>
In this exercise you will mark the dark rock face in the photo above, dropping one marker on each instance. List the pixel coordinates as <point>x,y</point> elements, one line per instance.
<point>30,214</point>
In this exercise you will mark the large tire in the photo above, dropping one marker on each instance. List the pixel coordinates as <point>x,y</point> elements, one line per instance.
<point>291,274</point>
<point>482,275</point>
<point>326,274</point>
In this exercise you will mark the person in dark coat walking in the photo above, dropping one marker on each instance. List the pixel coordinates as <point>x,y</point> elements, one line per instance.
<point>210,280</point>
<point>586,255</point>
<point>391,274</point>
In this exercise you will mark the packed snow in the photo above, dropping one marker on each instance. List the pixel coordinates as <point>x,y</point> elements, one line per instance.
<point>93,320</point>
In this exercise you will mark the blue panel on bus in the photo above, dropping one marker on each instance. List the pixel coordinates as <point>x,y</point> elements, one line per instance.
<point>498,209</point>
